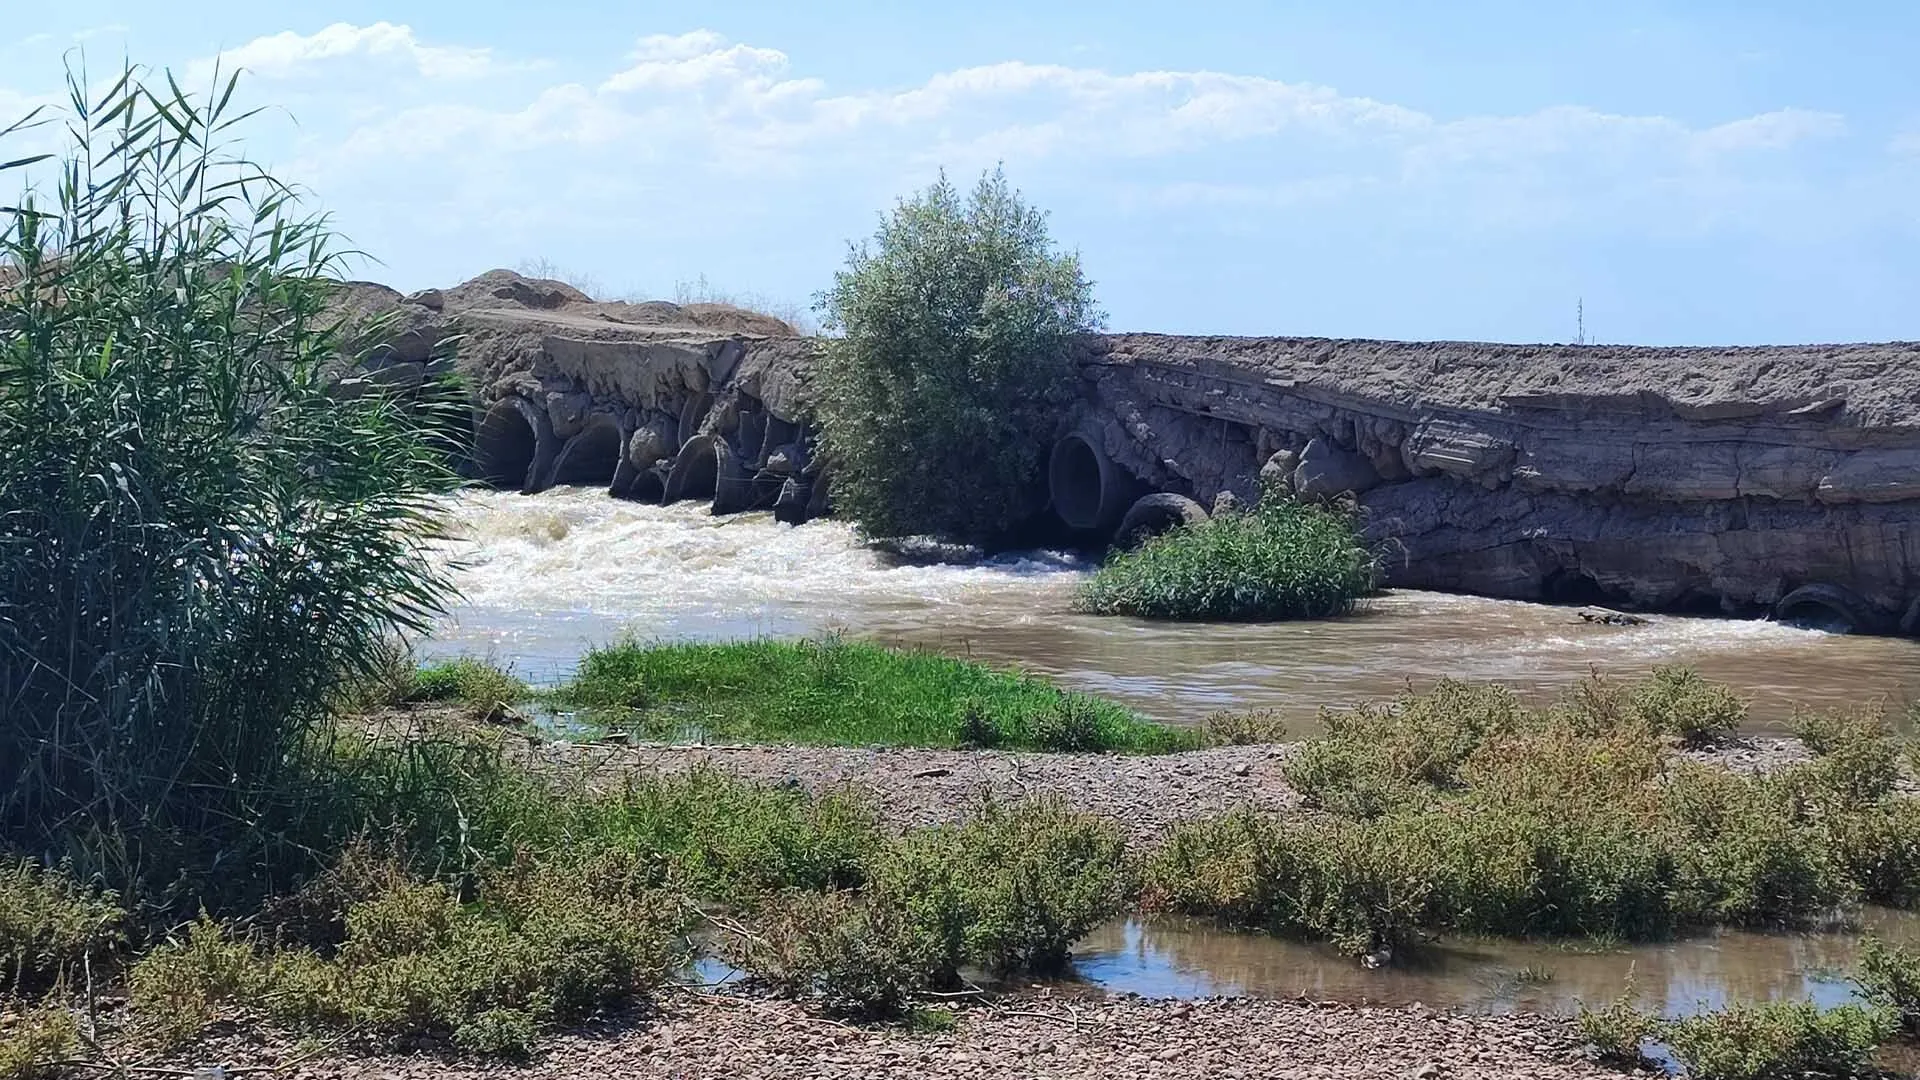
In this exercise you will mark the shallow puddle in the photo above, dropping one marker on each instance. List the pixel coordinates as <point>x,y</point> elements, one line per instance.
<point>1184,959</point>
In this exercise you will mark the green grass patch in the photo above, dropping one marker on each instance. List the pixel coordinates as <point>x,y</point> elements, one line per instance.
<point>1282,560</point>
<point>846,693</point>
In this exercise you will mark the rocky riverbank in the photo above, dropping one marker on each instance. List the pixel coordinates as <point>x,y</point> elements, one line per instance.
<point>1147,794</point>
<point>709,1037</point>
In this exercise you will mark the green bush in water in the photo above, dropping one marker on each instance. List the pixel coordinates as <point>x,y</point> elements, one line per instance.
<point>1281,560</point>
<point>1889,977</point>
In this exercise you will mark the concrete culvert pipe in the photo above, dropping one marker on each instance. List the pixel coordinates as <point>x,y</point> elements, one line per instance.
<point>506,444</point>
<point>1830,607</point>
<point>694,471</point>
<point>1088,491</point>
<point>1151,515</point>
<point>589,458</point>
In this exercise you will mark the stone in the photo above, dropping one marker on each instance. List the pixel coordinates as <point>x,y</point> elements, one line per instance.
<point>788,460</point>
<point>431,299</point>
<point>1326,470</point>
<point>568,409</point>
<point>1277,473</point>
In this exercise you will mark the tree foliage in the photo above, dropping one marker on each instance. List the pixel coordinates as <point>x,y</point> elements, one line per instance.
<point>947,371</point>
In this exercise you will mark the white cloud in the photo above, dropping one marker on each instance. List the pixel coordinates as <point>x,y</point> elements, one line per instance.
<point>289,55</point>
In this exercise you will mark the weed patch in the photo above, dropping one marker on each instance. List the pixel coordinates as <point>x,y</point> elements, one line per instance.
<point>50,924</point>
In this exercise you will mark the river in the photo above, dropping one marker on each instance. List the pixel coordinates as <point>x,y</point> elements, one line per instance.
<point>545,577</point>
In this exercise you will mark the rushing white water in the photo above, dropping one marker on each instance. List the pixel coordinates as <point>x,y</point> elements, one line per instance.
<point>546,577</point>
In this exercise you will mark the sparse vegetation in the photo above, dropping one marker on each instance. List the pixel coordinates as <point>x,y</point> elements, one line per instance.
<point>1618,1032</point>
<point>943,377</point>
<point>1461,810</point>
<point>1281,560</point>
<point>850,693</point>
<point>1243,727</point>
<point>1777,1040</point>
<point>1889,978</point>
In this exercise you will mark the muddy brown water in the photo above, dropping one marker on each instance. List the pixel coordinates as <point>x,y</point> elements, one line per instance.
<point>1171,958</point>
<point>546,577</point>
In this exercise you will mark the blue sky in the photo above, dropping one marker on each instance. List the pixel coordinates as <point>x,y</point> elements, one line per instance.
<point>1697,172</point>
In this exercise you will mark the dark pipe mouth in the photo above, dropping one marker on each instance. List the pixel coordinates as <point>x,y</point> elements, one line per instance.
<point>1075,480</point>
<point>590,457</point>
<point>504,446</point>
<point>647,487</point>
<point>696,469</point>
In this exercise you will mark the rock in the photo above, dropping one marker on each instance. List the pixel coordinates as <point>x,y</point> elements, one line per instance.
<point>1277,473</point>
<point>568,411</point>
<point>651,442</point>
<point>788,460</point>
<point>1226,502</point>
<point>431,299</point>
<point>1327,470</point>
<point>1607,617</point>
<point>1242,769</point>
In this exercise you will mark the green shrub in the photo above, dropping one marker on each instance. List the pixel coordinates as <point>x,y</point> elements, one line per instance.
<point>547,943</point>
<point>50,924</point>
<point>977,729</point>
<point>1376,758</point>
<point>1010,890</point>
<point>1889,978</point>
<point>33,1043</point>
<point>1878,846</point>
<point>1677,701</point>
<point>1835,729</point>
<point>1243,727</point>
<point>485,691</point>
<point>1779,1040</point>
<point>847,693</point>
<point>1618,1031</point>
<point>1460,811</point>
<point>1070,727</point>
<point>1283,560</point>
<point>857,956</point>
<point>204,547</point>
<point>946,369</point>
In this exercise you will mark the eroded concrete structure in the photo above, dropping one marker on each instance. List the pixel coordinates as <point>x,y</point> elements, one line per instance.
<point>1743,481</point>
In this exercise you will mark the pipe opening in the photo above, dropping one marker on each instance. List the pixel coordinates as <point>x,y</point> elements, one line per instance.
<point>1075,479</point>
<point>503,446</point>
<point>590,457</point>
<point>694,472</point>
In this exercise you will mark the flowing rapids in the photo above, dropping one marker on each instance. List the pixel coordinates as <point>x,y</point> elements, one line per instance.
<point>546,577</point>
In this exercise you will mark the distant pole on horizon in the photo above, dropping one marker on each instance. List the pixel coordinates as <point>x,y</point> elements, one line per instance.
<point>1580,321</point>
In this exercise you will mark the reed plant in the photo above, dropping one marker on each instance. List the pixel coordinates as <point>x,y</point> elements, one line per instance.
<point>201,544</point>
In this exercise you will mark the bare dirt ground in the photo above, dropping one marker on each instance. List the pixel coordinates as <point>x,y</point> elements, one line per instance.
<point>709,1038</point>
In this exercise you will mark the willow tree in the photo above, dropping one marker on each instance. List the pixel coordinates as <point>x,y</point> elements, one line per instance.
<point>200,544</point>
<point>946,370</point>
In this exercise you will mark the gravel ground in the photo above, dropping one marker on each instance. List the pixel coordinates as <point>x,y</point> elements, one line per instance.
<point>697,1038</point>
<point>1146,794</point>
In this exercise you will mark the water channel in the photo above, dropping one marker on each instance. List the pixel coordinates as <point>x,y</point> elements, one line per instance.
<point>546,577</point>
